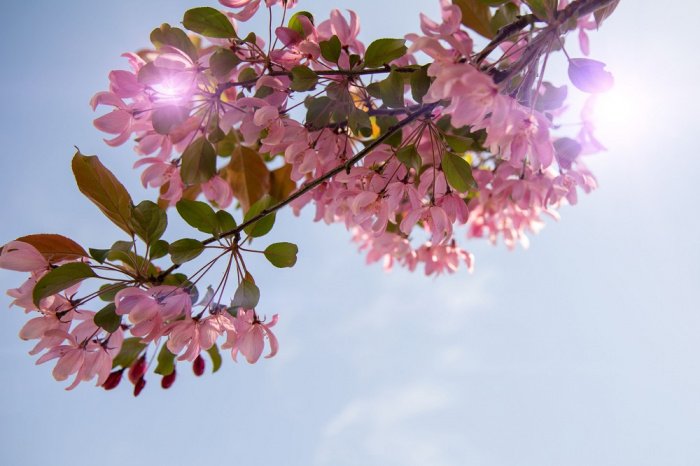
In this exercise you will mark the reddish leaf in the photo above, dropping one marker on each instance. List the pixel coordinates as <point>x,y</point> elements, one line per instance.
<point>281,185</point>
<point>248,176</point>
<point>55,248</point>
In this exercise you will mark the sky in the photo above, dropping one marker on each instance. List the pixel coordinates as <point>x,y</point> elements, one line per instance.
<point>581,350</point>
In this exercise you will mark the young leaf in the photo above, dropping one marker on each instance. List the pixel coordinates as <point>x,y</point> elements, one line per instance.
<point>108,319</point>
<point>100,255</point>
<point>303,79</point>
<point>265,224</point>
<point>458,172</point>
<point>330,49</point>
<point>383,51</point>
<point>55,248</point>
<point>198,162</point>
<point>295,23</point>
<point>215,358</point>
<point>149,221</point>
<point>131,349</point>
<point>61,278</point>
<point>209,22</point>
<point>282,254</point>
<point>184,250</point>
<point>223,61</point>
<point>100,186</point>
<point>166,362</point>
<point>197,214</point>
<point>247,295</point>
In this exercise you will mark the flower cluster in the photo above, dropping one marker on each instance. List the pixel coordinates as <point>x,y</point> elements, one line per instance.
<point>159,315</point>
<point>412,158</point>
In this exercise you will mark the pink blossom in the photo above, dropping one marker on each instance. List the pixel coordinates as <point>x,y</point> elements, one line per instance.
<point>149,310</point>
<point>248,336</point>
<point>195,335</point>
<point>22,257</point>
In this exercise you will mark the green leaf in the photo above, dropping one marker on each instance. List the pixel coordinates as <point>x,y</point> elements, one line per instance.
<point>385,123</point>
<point>383,51</point>
<point>247,295</point>
<point>505,15</point>
<point>223,61</point>
<point>165,119</point>
<point>100,186</point>
<point>330,49</point>
<point>61,278</point>
<point>100,255</point>
<point>174,37</point>
<point>159,249</point>
<point>108,319</point>
<point>224,222</point>
<point>198,214</point>
<point>282,254</point>
<point>166,362</point>
<point>209,22</point>
<point>149,221</point>
<point>265,224</point>
<point>319,110</point>
<point>420,83</point>
<point>108,291</point>
<point>131,349</point>
<point>543,9</point>
<point>215,358</point>
<point>360,123</point>
<point>303,79</point>
<point>409,156</point>
<point>476,16</point>
<point>198,162</point>
<point>459,144</point>
<point>392,90</point>
<point>184,250</point>
<point>457,172</point>
<point>295,23</point>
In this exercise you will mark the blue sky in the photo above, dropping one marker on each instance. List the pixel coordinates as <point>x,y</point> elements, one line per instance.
<point>581,350</point>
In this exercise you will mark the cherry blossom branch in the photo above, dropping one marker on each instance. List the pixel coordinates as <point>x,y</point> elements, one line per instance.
<point>313,183</point>
<point>352,73</point>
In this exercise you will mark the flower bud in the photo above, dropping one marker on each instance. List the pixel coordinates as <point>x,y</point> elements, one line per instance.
<point>139,386</point>
<point>198,366</point>
<point>113,380</point>
<point>589,75</point>
<point>168,380</point>
<point>137,370</point>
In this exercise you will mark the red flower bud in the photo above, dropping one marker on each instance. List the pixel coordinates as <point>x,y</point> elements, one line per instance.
<point>168,380</point>
<point>139,385</point>
<point>198,366</point>
<point>113,380</point>
<point>137,370</point>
